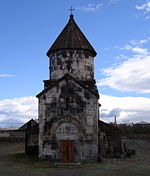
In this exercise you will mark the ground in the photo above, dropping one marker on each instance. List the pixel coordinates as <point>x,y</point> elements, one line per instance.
<point>13,162</point>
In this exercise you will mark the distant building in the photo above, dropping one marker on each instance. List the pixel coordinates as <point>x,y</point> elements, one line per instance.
<point>11,135</point>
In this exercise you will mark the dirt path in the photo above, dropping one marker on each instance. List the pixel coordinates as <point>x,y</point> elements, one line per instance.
<point>13,162</point>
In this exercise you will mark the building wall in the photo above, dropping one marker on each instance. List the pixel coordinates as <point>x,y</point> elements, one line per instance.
<point>12,136</point>
<point>109,140</point>
<point>31,140</point>
<point>68,112</point>
<point>77,63</point>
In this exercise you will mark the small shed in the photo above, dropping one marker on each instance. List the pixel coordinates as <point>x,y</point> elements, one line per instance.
<point>109,140</point>
<point>31,129</point>
<point>31,140</point>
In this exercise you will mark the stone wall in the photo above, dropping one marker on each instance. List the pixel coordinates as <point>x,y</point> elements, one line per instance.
<point>12,136</point>
<point>68,111</point>
<point>77,63</point>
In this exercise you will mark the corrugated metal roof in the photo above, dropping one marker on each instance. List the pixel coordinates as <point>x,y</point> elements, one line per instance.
<point>71,37</point>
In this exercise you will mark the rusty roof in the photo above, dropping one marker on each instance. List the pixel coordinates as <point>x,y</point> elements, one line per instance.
<point>71,37</point>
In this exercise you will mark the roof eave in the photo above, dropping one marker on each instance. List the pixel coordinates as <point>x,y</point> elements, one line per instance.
<point>55,50</point>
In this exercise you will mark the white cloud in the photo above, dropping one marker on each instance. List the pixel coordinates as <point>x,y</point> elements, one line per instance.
<point>136,49</point>
<point>136,42</point>
<point>90,7</point>
<point>121,56</point>
<point>145,9</point>
<point>93,7</point>
<point>131,75</point>
<point>18,110</point>
<point>126,109</point>
<point>6,75</point>
<point>113,1</point>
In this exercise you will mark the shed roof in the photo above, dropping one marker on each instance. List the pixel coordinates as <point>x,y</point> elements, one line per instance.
<point>108,128</point>
<point>71,37</point>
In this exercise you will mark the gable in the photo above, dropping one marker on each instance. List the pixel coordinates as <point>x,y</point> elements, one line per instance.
<point>70,79</point>
<point>29,124</point>
<point>67,98</point>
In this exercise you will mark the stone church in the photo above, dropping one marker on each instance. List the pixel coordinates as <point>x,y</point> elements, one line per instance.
<point>68,108</point>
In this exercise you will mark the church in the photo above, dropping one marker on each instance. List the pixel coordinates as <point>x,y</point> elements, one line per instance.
<point>68,128</point>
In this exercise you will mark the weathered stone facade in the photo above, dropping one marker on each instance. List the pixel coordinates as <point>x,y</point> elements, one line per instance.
<point>77,63</point>
<point>68,111</point>
<point>68,105</point>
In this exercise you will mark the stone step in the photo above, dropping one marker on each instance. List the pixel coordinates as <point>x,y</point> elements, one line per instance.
<point>68,164</point>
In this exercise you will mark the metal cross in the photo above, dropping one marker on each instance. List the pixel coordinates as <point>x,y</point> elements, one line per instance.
<point>71,10</point>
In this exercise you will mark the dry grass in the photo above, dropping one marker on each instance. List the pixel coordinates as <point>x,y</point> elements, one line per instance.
<point>13,162</point>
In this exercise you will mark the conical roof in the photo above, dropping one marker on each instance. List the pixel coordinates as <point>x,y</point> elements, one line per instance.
<point>71,37</point>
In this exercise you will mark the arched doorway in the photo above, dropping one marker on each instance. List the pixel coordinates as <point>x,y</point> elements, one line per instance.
<point>67,134</point>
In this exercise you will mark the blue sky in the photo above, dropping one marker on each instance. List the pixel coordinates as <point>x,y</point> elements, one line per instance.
<point>119,30</point>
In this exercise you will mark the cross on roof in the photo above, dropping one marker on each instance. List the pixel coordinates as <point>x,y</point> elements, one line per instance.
<point>71,10</point>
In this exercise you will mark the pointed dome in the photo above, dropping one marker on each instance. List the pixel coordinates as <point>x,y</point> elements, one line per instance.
<point>71,37</point>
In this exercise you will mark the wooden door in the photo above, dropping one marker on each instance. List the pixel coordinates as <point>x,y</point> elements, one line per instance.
<point>67,151</point>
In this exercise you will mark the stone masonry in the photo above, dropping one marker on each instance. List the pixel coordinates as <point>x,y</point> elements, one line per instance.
<point>68,105</point>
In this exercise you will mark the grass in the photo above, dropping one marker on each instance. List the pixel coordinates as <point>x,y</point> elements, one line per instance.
<point>14,162</point>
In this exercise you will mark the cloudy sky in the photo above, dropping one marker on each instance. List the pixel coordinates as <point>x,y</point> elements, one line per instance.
<point>119,30</point>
